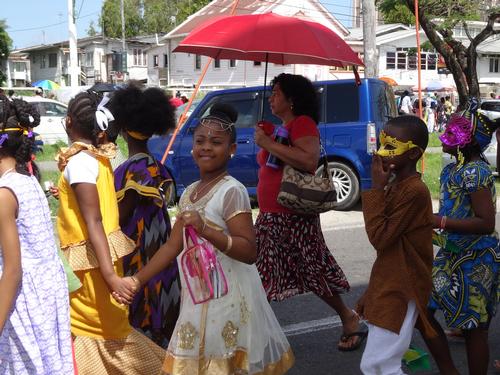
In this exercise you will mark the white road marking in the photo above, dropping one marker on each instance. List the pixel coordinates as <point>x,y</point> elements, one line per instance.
<point>312,326</point>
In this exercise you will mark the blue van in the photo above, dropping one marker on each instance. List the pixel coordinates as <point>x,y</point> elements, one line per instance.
<point>350,119</point>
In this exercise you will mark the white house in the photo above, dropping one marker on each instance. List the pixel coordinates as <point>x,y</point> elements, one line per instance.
<point>183,70</point>
<point>17,70</point>
<point>99,58</point>
<point>488,63</point>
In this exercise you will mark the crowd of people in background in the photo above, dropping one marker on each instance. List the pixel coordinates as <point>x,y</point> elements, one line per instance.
<point>119,297</point>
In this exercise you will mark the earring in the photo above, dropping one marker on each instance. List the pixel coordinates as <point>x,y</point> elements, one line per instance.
<point>232,156</point>
<point>191,152</point>
<point>291,106</point>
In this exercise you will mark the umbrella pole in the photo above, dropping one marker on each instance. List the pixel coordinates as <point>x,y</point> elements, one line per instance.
<point>264,91</point>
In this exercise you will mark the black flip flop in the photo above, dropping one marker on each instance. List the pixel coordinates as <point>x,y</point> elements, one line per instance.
<point>346,336</point>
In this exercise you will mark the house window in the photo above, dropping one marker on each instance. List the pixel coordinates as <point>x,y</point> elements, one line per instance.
<point>34,59</point>
<point>216,63</point>
<point>89,59</point>
<point>42,62</point>
<point>401,60</point>
<point>257,63</point>
<point>155,60</point>
<point>197,62</point>
<point>52,60</point>
<point>232,63</point>
<point>494,65</point>
<point>139,57</point>
<point>390,60</point>
<point>432,59</point>
<point>20,66</point>
<point>165,61</point>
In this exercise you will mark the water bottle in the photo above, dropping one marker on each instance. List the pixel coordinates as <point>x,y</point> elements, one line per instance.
<point>280,137</point>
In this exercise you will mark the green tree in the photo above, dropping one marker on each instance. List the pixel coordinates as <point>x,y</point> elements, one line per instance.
<point>91,31</point>
<point>188,7</point>
<point>438,18</point>
<point>393,11</point>
<point>110,19</point>
<point>159,16</point>
<point>5,46</point>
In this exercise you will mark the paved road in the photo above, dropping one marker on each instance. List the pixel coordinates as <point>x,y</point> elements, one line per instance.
<point>313,328</point>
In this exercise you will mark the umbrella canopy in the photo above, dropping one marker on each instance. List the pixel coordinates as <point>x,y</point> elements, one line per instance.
<point>390,81</point>
<point>437,86</point>
<point>46,84</point>
<point>104,87</point>
<point>269,37</point>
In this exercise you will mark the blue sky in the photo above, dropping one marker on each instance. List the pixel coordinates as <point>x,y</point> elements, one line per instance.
<point>34,22</point>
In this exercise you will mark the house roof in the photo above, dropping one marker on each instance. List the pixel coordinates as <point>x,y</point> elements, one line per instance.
<point>144,39</point>
<point>217,8</point>
<point>357,32</point>
<point>490,46</point>
<point>386,34</point>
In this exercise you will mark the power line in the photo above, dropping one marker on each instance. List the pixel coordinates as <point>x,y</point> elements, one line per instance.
<point>51,25</point>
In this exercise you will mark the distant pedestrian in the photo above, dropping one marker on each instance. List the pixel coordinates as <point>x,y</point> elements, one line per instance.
<point>493,95</point>
<point>398,219</point>
<point>405,107</point>
<point>39,91</point>
<point>466,271</point>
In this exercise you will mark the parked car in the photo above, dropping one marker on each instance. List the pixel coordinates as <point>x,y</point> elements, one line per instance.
<point>350,118</point>
<point>52,113</point>
<point>490,108</point>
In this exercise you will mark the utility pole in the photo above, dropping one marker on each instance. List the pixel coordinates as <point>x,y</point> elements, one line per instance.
<point>369,38</point>
<point>124,49</point>
<point>73,54</point>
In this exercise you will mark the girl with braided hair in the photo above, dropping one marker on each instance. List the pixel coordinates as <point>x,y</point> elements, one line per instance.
<point>94,245</point>
<point>35,335</point>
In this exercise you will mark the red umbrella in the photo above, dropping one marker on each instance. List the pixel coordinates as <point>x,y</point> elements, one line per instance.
<point>272,38</point>
<point>269,37</point>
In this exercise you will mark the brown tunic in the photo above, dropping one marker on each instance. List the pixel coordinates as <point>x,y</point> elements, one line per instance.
<point>399,226</point>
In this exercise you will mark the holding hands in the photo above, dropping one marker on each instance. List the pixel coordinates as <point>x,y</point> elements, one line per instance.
<point>123,289</point>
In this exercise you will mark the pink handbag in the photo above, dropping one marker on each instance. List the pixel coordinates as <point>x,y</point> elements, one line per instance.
<point>203,273</point>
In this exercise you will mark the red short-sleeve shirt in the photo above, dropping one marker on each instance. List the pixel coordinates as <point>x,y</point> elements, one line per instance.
<point>270,178</point>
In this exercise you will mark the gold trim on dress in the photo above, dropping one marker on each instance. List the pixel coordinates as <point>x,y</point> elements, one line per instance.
<point>230,334</point>
<point>107,150</point>
<point>81,255</point>
<point>146,191</point>
<point>236,363</point>
<point>236,213</point>
<point>244,311</point>
<point>187,336</point>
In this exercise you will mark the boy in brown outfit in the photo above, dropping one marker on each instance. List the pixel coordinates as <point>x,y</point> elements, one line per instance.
<point>398,219</point>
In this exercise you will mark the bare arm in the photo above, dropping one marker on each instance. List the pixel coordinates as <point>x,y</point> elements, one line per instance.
<point>11,254</point>
<point>165,254</point>
<point>87,197</point>
<point>303,155</point>
<point>483,221</point>
<point>127,206</point>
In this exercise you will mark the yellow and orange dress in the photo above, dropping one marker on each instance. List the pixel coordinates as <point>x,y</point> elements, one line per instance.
<point>104,341</point>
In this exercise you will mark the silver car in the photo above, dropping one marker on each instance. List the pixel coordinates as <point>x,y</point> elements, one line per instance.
<point>491,109</point>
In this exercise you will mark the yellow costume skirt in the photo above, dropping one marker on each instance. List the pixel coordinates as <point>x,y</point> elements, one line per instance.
<point>104,342</point>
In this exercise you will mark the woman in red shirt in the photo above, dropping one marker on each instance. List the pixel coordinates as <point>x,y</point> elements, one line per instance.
<point>292,254</point>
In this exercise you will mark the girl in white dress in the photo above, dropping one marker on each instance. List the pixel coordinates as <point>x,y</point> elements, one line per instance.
<point>237,333</point>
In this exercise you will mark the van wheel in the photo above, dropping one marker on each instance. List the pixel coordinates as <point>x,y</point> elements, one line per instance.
<point>346,184</point>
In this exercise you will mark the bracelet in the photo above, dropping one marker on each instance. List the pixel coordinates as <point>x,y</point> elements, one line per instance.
<point>229,244</point>
<point>204,227</point>
<point>442,225</point>
<point>136,281</point>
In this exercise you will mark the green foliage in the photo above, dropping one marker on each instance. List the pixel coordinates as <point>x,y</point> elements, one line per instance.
<point>91,31</point>
<point>394,11</point>
<point>146,16</point>
<point>5,46</point>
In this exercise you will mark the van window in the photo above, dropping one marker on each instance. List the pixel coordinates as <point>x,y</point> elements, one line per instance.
<point>245,103</point>
<point>342,103</point>
<point>380,108</point>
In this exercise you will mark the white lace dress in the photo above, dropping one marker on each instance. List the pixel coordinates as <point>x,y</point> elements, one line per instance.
<point>235,334</point>
<point>36,339</point>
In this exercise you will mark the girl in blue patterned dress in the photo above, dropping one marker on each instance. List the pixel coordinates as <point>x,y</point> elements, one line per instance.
<point>35,336</point>
<point>466,270</point>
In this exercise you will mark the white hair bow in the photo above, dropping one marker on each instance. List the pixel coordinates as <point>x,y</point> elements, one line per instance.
<point>103,115</point>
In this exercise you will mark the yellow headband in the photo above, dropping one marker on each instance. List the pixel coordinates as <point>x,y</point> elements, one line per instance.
<point>399,147</point>
<point>137,135</point>
<point>24,131</point>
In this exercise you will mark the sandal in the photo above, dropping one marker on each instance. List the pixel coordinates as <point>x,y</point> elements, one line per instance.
<point>346,336</point>
<point>454,333</point>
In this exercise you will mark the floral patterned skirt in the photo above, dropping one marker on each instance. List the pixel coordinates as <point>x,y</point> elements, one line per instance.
<point>466,286</point>
<point>292,257</point>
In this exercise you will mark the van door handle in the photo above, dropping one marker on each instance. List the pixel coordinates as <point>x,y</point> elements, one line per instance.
<point>243,141</point>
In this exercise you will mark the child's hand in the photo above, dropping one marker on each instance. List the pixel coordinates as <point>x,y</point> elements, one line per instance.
<point>194,219</point>
<point>380,174</point>
<point>54,191</point>
<point>122,289</point>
